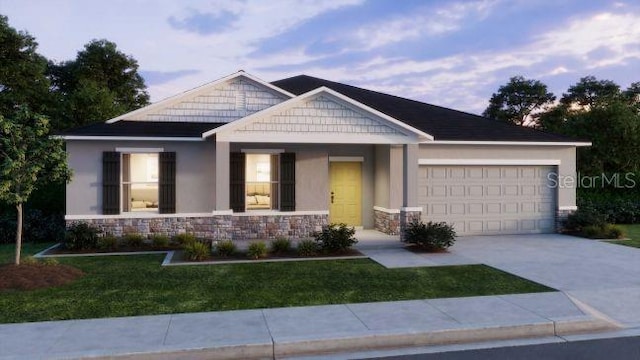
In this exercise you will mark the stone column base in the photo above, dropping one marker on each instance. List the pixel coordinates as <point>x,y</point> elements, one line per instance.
<point>407,216</point>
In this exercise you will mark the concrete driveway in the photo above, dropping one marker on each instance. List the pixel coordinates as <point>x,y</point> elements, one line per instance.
<point>603,276</point>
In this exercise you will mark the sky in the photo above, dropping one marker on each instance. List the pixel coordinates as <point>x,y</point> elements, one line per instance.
<point>452,53</point>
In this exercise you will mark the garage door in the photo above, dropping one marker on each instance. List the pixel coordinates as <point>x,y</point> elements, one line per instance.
<point>485,200</point>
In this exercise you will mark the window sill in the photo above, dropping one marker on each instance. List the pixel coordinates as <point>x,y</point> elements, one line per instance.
<point>280,213</point>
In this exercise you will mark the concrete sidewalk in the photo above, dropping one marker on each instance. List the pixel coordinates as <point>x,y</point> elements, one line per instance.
<point>296,331</point>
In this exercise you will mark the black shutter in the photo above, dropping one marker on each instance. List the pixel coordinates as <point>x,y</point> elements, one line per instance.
<point>288,182</point>
<point>237,181</point>
<point>167,183</point>
<point>110,182</point>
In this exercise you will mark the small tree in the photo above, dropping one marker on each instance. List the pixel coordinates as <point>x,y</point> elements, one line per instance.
<point>28,154</point>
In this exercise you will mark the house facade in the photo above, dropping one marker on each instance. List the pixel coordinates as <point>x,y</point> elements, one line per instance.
<point>240,158</point>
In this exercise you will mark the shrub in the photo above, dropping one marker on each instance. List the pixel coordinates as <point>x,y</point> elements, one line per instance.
<point>582,218</point>
<point>280,245</point>
<point>80,236</point>
<point>257,250</point>
<point>50,261</point>
<point>40,227</point>
<point>431,236</point>
<point>307,247</point>
<point>185,238</point>
<point>196,251</point>
<point>160,241</point>
<point>336,238</point>
<point>108,242</point>
<point>225,248</point>
<point>29,260</point>
<point>606,231</point>
<point>7,229</point>
<point>134,240</point>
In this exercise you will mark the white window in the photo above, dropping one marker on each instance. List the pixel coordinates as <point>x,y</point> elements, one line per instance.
<point>261,182</point>
<point>140,182</point>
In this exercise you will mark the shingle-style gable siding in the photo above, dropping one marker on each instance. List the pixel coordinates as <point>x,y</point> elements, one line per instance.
<point>321,115</point>
<point>230,101</point>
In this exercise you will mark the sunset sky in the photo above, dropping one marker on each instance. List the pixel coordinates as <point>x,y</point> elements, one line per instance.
<point>449,53</point>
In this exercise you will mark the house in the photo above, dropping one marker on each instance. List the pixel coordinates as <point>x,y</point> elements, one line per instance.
<point>240,158</point>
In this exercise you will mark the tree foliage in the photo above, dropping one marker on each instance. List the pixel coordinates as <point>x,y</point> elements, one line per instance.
<point>519,101</point>
<point>28,155</point>
<point>22,71</point>
<point>592,109</point>
<point>100,83</point>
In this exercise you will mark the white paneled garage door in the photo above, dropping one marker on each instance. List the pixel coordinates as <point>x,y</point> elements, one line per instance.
<point>484,200</point>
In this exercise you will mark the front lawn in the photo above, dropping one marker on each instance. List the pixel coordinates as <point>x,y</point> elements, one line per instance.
<point>633,233</point>
<point>138,285</point>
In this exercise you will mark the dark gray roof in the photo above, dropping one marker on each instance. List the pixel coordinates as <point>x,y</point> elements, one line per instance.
<point>442,123</point>
<point>144,128</point>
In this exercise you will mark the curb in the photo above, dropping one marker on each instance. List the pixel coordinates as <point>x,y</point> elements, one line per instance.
<point>333,344</point>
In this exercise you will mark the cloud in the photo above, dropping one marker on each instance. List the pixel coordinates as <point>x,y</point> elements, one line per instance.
<point>423,22</point>
<point>204,23</point>
<point>465,80</point>
<point>160,77</point>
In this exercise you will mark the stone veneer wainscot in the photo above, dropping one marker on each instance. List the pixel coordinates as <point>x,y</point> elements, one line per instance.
<point>235,227</point>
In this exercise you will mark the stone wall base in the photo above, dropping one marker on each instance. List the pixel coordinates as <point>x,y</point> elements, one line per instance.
<point>387,222</point>
<point>407,217</point>
<point>219,227</point>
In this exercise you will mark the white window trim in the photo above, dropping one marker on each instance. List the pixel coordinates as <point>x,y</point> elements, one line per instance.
<point>122,184</point>
<point>262,151</point>
<point>346,158</point>
<point>134,150</point>
<point>506,162</point>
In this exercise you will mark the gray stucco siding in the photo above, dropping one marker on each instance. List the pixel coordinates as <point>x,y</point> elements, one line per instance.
<point>195,180</point>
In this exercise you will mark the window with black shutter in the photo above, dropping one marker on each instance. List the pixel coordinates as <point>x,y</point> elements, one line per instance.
<point>288,182</point>
<point>237,182</point>
<point>110,182</point>
<point>167,183</point>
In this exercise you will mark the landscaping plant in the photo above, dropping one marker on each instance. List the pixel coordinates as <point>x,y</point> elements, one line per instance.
<point>336,238</point>
<point>307,247</point>
<point>81,236</point>
<point>108,242</point>
<point>225,248</point>
<point>184,238</point>
<point>134,240</point>
<point>160,241</point>
<point>196,251</point>
<point>431,236</point>
<point>280,245</point>
<point>257,250</point>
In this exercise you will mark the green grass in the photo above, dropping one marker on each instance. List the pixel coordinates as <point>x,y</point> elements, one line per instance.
<point>633,233</point>
<point>138,285</point>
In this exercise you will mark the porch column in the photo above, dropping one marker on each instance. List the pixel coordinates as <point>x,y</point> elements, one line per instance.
<point>222,175</point>
<point>410,188</point>
<point>409,211</point>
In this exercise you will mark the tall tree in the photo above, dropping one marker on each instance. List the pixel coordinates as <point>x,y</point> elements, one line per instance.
<point>519,101</point>
<point>590,92</point>
<point>29,155</point>
<point>22,71</point>
<point>102,82</point>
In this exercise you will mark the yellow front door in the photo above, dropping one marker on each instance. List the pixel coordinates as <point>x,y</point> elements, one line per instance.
<point>346,193</point>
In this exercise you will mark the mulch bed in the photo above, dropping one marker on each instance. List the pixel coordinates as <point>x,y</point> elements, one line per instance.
<point>36,276</point>
<point>292,255</point>
<point>60,250</point>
